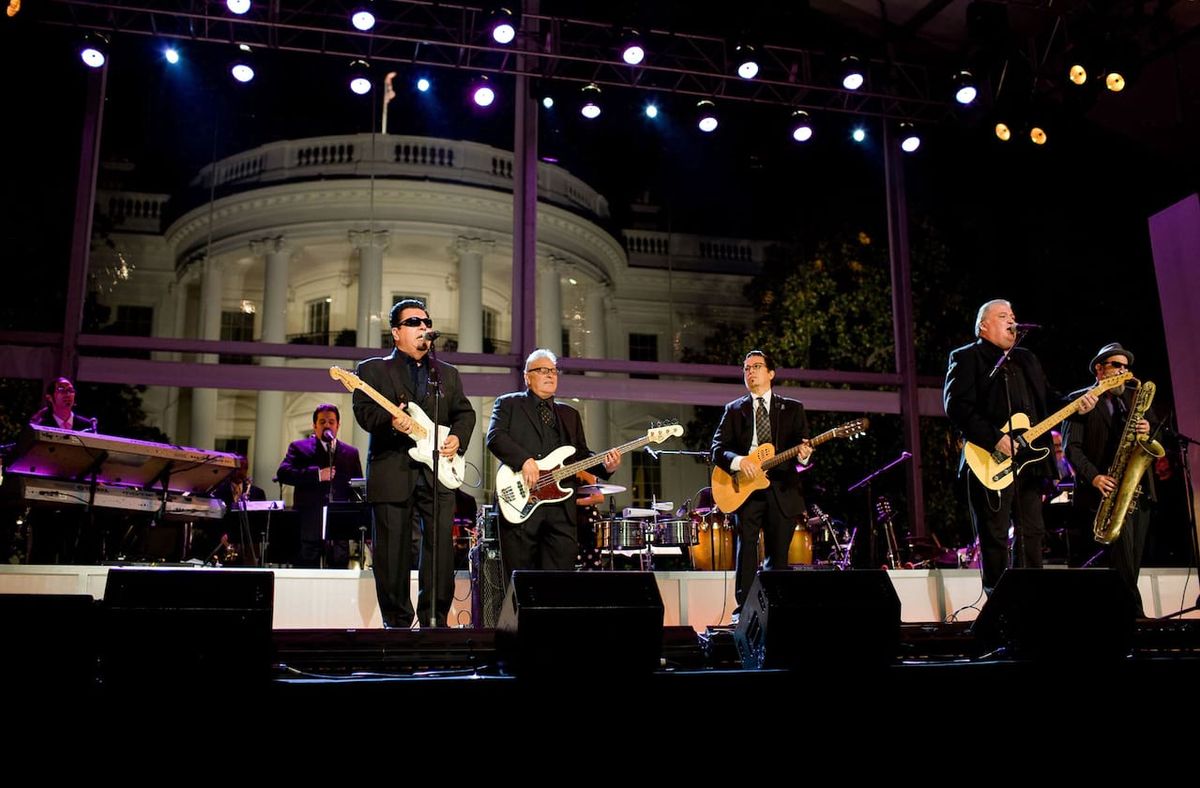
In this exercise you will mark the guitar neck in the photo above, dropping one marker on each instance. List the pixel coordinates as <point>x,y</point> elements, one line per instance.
<point>792,452</point>
<point>1038,429</point>
<point>591,462</point>
<point>382,401</point>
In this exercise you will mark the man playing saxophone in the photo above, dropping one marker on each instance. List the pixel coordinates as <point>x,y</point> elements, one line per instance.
<point>1100,446</point>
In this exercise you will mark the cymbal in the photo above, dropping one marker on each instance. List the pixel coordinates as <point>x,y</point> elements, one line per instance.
<point>599,489</point>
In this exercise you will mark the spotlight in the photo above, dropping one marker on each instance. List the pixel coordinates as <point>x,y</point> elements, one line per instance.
<point>590,108</point>
<point>852,73</point>
<point>171,54</point>
<point>363,16</point>
<point>503,26</point>
<point>238,7</point>
<point>1078,74</point>
<point>801,126</point>
<point>747,62</point>
<point>706,116</point>
<point>1003,132</point>
<point>1114,81</point>
<point>360,77</point>
<point>964,87</point>
<point>859,134</point>
<point>651,110</point>
<point>633,51</point>
<point>423,84</point>
<point>242,67</point>
<point>482,93</point>
<point>548,102</point>
<point>1038,135</point>
<point>909,139</point>
<point>94,50</point>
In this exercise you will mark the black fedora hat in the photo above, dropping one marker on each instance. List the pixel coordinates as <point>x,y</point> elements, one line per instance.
<point>1107,352</point>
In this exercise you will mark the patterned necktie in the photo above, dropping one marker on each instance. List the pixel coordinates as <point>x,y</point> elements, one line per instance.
<point>546,413</point>
<point>762,423</point>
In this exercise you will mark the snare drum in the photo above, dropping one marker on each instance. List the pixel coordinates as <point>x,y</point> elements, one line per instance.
<point>675,533</point>
<point>620,534</point>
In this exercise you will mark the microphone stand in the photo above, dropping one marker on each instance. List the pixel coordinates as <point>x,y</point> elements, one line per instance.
<point>866,482</point>
<point>1014,509</point>
<point>1183,442</point>
<point>434,380</point>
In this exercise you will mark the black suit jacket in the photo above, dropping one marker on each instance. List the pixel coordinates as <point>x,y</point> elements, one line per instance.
<point>391,473</point>
<point>789,426</point>
<point>977,406</point>
<point>1089,444</point>
<point>514,435</point>
<point>301,468</point>
<point>45,418</point>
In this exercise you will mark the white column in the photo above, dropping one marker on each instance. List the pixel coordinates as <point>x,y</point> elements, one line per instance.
<point>595,345</point>
<point>470,333</point>
<point>549,304</point>
<point>268,413</point>
<point>204,400</point>
<point>372,318</point>
<point>174,305</point>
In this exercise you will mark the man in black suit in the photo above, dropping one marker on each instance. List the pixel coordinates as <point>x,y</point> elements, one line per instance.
<point>320,468</point>
<point>979,404</point>
<point>525,427</point>
<point>401,489</point>
<point>1090,442</point>
<point>761,417</point>
<point>59,410</point>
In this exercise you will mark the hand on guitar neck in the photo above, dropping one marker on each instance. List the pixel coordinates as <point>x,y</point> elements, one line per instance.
<point>751,468</point>
<point>1083,405</point>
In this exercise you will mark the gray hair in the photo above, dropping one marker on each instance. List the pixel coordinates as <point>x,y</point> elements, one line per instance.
<point>540,353</point>
<point>983,310</point>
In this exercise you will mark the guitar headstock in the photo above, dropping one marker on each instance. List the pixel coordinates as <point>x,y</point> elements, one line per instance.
<point>661,430</point>
<point>1113,381</point>
<point>855,428</point>
<point>347,379</point>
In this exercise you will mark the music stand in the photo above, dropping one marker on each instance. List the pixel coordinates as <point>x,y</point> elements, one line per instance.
<point>347,520</point>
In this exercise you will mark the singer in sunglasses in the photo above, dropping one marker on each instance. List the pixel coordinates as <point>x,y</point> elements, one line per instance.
<point>320,468</point>
<point>401,489</point>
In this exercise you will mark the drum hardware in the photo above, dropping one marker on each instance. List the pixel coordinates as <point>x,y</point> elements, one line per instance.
<point>827,531</point>
<point>598,489</point>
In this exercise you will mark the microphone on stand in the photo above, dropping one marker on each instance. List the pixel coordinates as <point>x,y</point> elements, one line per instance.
<point>653,454</point>
<point>1026,326</point>
<point>431,335</point>
<point>327,436</point>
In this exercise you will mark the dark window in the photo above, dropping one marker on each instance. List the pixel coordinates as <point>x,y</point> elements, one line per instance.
<point>643,347</point>
<point>237,326</point>
<point>647,478</point>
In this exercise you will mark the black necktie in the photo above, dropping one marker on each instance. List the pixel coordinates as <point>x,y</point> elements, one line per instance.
<point>547,414</point>
<point>762,423</point>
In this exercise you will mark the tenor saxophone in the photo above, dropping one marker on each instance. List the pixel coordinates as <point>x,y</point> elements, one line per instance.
<point>1133,457</point>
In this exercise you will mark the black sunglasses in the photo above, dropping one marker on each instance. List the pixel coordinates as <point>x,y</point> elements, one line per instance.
<point>1116,364</point>
<point>414,321</point>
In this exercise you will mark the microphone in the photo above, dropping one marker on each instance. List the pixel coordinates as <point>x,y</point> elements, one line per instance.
<point>431,335</point>
<point>94,422</point>
<point>1026,326</point>
<point>327,436</point>
<point>653,454</point>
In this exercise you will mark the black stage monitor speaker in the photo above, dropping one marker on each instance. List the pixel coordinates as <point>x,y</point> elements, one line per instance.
<point>807,619</point>
<point>187,628</point>
<point>1053,614</point>
<point>50,644</point>
<point>577,623</point>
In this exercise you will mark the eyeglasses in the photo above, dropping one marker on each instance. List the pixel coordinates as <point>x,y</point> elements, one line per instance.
<point>543,371</point>
<point>753,367</point>
<point>65,389</point>
<point>414,321</point>
<point>1116,364</point>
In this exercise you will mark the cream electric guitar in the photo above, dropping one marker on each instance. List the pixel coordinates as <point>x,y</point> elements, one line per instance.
<point>995,470</point>
<point>518,500</point>
<point>449,470</point>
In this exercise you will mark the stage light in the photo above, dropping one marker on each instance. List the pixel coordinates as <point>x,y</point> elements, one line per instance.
<point>482,93</point>
<point>590,108</point>
<point>503,26</point>
<point>548,102</point>
<point>633,51</point>
<point>238,7</point>
<point>706,116</point>
<point>360,77</point>
<point>747,61</point>
<point>423,84</point>
<point>363,16</point>
<point>909,139</point>
<point>94,50</point>
<point>964,87</point>
<point>852,73</point>
<point>1114,81</point>
<point>1038,135</point>
<point>651,110</point>
<point>1003,132</point>
<point>171,55</point>
<point>859,134</point>
<point>14,8</point>
<point>242,67</point>
<point>801,126</point>
<point>1078,74</point>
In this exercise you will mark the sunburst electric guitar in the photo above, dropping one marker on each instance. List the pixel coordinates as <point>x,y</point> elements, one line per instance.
<point>449,470</point>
